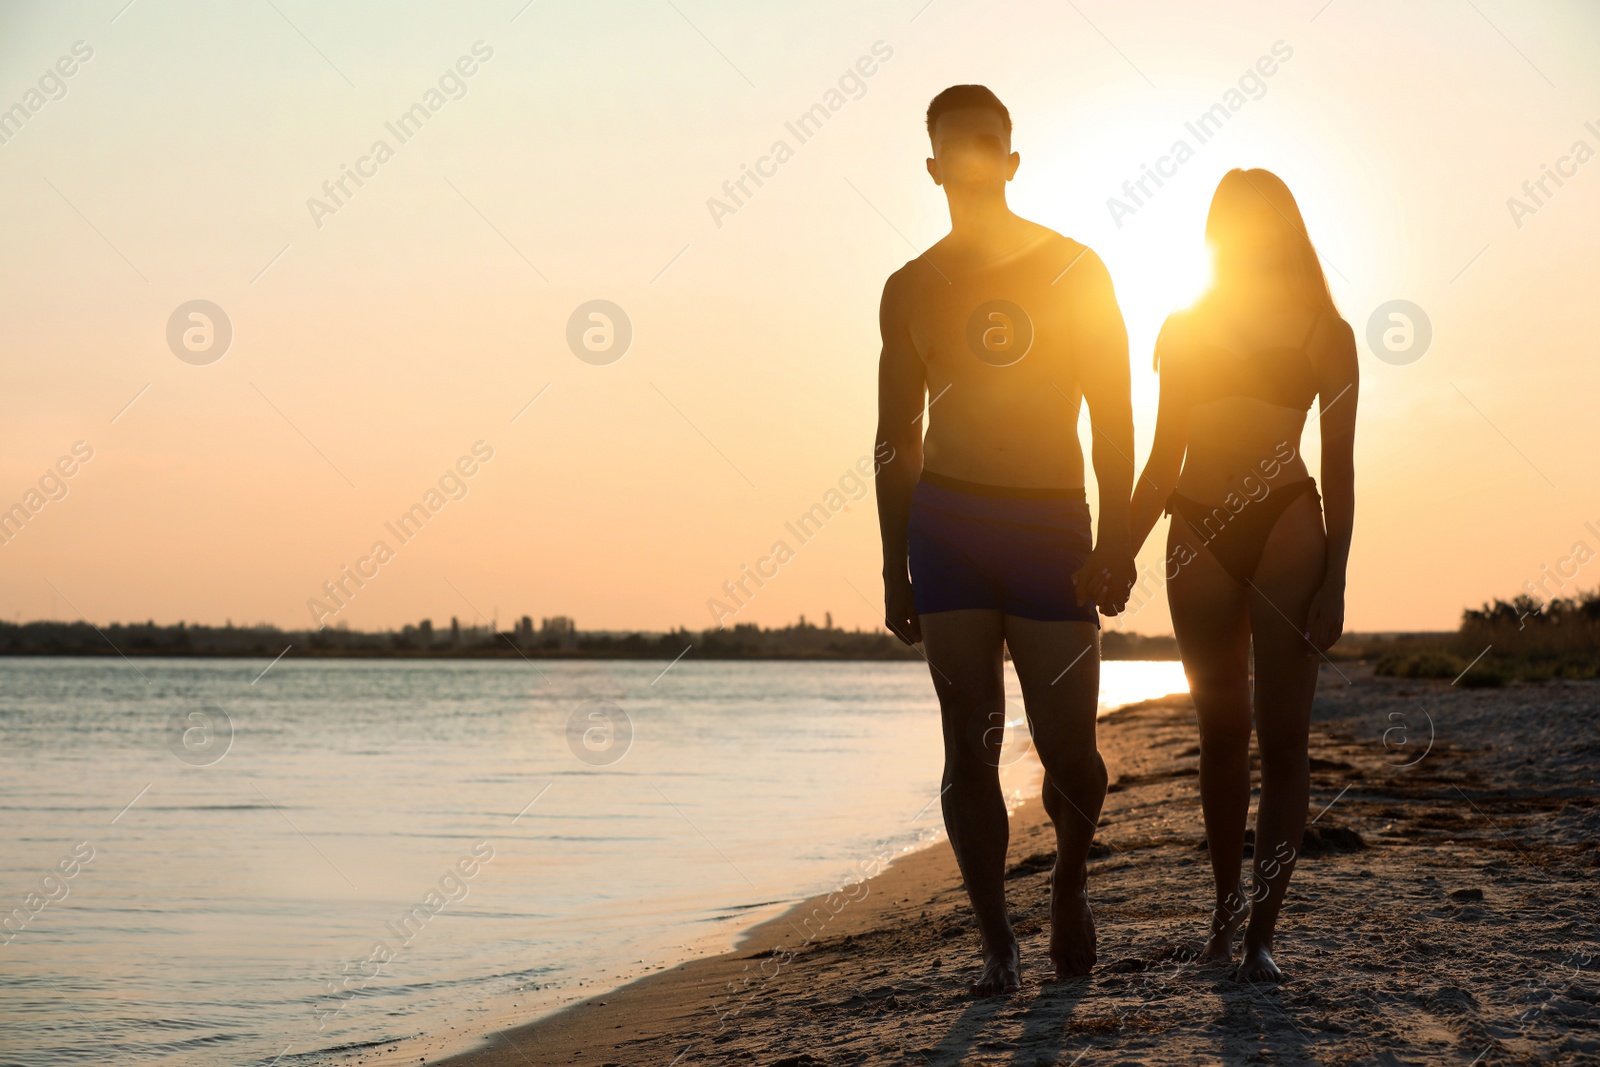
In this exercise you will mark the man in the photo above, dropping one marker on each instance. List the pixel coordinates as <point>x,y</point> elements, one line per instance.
<point>1001,329</point>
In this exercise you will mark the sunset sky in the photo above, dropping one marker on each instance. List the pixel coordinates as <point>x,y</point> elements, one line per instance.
<point>377,338</point>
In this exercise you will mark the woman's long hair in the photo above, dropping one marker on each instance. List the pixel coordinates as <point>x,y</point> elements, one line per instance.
<point>1253,215</point>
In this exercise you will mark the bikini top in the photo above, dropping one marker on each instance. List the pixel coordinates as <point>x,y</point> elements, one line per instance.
<point>1276,374</point>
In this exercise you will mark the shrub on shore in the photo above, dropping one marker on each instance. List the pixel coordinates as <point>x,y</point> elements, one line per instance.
<point>1428,663</point>
<point>1521,638</point>
<point>1539,641</point>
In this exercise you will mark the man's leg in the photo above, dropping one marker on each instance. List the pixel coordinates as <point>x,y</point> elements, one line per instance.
<point>964,656</point>
<point>1058,664</point>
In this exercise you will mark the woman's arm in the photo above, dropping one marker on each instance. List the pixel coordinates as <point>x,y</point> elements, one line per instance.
<point>1166,450</point>
<point>1337,374</point>
<point>902,389</point>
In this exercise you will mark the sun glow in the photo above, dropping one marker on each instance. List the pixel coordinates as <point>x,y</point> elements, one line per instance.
<point>1155,277</point>
<point>1185,277</point>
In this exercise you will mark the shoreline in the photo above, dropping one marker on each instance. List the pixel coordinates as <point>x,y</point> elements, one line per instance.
<point>788,920</point>
<point>731,976</point>
<point>1435,912</point>
<point>779,917</point>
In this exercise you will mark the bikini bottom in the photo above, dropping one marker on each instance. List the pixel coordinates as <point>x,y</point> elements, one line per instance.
<point>1237,539</point>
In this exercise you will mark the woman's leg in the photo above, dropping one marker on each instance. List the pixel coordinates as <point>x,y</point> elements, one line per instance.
<point>1210,616</point>
<point>1288,576</point>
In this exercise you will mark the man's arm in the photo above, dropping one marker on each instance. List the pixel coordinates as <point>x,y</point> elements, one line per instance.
<point>902,390</point>
<point>1100,341</point>
<point>1337,374</point>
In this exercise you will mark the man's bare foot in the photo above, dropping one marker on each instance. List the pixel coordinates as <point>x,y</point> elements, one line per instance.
<point>1257,965</point>
<point>1225,923</point>
<point>1002,971</point>
<point>1072,944</point>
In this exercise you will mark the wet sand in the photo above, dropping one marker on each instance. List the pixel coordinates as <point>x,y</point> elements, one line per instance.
<point>1443,911</point>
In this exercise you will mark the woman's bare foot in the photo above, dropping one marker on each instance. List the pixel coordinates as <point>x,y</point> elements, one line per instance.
<point>1257,965</point>
<point>1002,971</point>
<point>1072,942</point>
<point>1225,923</point>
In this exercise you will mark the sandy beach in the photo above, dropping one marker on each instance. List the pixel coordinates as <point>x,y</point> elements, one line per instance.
<point>1443,912</point>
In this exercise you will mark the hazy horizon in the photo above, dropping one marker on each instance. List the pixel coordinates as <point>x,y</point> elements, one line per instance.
<point>382,329</point>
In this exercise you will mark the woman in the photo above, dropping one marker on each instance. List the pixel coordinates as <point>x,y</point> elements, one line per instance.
<point>1250,565</point>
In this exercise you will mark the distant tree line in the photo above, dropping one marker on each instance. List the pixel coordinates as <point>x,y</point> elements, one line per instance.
<point>1524,638</point>
<point>557,639</point>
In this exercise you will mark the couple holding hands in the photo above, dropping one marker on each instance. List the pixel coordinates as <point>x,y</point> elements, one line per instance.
<point>996,335</point>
